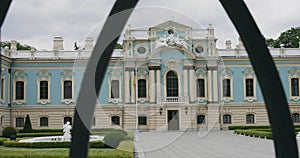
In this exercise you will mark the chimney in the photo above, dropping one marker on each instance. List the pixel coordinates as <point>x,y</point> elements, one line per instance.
<point>228,44</point>
<point>58,43</point>
<point>89,43</point>
<point>13,45</point>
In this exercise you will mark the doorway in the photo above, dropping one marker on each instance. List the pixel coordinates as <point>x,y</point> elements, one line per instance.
<point>173,120</point>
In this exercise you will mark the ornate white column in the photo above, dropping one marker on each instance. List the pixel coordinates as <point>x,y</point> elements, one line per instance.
<point>192,84</point>
<point>158,95</point>
<point>133,84</point>
<point>215,86</point>
<point>127,88</point>
<point>185,85</point>
<point>209,86</point>
<point>151,86</point>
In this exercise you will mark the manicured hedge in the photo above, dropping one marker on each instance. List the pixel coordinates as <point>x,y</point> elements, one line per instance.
<point>109,130</point>
<point>126,145</point>
<point>94,144</point>
<point>256,127</point>
<point>2,140</point>
<point>39,134</point>
<point>113,139</point>
<point>43,131</point>
<point>254,133</point>
<point>8,131</point>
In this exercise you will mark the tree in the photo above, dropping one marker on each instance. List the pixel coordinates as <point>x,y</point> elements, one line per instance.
<point>118,46</point>
<point>27,127</point>
<point>287,39</point>
<point>4,44</point>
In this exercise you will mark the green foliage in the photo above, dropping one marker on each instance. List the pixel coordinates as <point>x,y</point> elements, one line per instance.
<point>288,39</point>
<point>248,127</point>
<point>113,139</point>
<point>27,127</point>
<point>42,131</point>
<point>8,131</point>
<point>94,144</point>
<point>254,133</point>
<point>126,145</point>
<point>118,46</point>
<point>40,134</point>
<point>4,44</point>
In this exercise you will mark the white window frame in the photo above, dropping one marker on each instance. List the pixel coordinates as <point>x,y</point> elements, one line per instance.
<point>40,78</point>
<point>249,74</point>
<point>294,73</point>
<point>19,75</point>
<point>67,75</point>
<point>201,74</point>
<point>227,74</point>
<point>47,122</point>
<point>254,117</point>
<point>114,75</point>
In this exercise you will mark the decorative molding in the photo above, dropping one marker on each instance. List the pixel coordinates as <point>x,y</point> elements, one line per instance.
<point>43,75</point>
<point>67,75</point>
<point>3,89</point>
<point>19,75</point>
<point>227,74</point>
<point>249,74</point>
<point>114,75</point>
<point>143,74</point>
<point>294,73</point>
<point>201,74</point>
<point>172,64</point>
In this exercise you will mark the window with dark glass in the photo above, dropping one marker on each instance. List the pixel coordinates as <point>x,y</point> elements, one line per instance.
<point>249,118</point>
<point>249,88</point>
<point>115,120</point>
<point>200,88</point>
<point>172,84</point>
<point>227,119</point>
<point>114,89</point>
<point>2,88</point>
<point>66,119</point>
<point>43,89</point>
<point>44,121</point>
<point>142,120</point>
<point>226,88</point>
<point>67,89</point>
<point>19,90</point>
<point>19,122</point>
<point>142,88</point>
<point>295,86</point>
<point>295,117</point>
<point>201,119</point>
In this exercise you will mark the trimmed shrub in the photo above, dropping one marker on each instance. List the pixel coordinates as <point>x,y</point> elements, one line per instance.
<point>27,127</point>
<point>126,145</point>
<point>39,134</point>
<point>254,133</point>
<point>94,144</point>
<point>8,131</point>
<point>121,131</point>
<point>42,131</point>
<point>113,139</point>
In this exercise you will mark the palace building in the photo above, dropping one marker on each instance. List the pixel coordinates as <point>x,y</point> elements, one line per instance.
<point>167,77</point>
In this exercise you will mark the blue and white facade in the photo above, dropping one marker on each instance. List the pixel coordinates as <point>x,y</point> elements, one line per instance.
<point>169,77</point>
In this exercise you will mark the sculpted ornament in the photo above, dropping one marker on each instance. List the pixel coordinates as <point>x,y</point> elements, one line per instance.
<point>171,40</point>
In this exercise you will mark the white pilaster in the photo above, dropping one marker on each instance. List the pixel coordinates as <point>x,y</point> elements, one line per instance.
<point>215,86</point>
<point>127,88</point>
<point>185,82</point>
<point>151,86</point>
<point>133,80</point>
<point>158,97</point>
<point>209,86</point>
<point>192,85</point>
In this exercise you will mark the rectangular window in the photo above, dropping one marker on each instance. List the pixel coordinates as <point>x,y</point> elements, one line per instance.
<point>227,119</point>
<point>249,88</point>
<point>43,89</point>
<point>142,88</point>
<point>142,120</point>
<point>226,88</point>
<point>67,89</point>
<point>114,89</point>
<point>200,88</point>
<point>295,86</point>
<point>19,122</point>
<point>44,122</point>
<point>19,90</point>
<point>2,88</point>
<point>250,119</point>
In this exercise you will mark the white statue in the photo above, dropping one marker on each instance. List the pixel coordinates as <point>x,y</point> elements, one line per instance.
<point>67,130</point>
<point>171,40</point>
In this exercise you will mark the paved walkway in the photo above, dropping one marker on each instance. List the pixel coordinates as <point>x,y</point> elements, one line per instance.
<point>215,144</point>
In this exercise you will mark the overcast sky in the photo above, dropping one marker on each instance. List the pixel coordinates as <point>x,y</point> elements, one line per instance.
<point>36,22</point>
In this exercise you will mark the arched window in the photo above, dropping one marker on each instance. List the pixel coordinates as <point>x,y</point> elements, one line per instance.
<point>295,117</point>
<point>227,119</point>
<point>114,89</point>
<point>20,122</point>
<point>142,88</point>
<point>44,121</point>
<point>200,87</point>
<point>249,118</point>
<point>172,84</point>
<point>115,120</point>
<point>66,119</point>
<point>201,119</point>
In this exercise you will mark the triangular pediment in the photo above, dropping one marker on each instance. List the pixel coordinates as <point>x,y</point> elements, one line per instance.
<point>171,24</point>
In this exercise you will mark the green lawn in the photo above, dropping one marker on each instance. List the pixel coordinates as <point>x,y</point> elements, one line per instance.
<point>6,152</point>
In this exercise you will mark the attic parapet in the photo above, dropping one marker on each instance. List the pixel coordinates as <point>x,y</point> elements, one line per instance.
<point>275,52</point>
